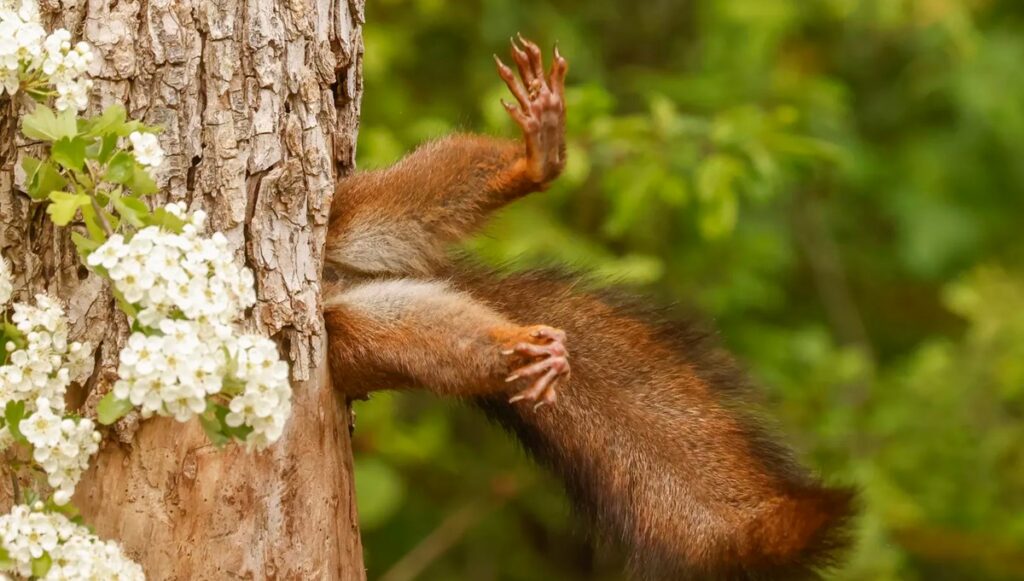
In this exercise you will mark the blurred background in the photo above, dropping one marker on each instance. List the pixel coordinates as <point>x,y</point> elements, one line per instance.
<point>837,184</point>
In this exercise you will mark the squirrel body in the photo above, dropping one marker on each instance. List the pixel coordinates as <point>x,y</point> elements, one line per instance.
<point>643,419</point>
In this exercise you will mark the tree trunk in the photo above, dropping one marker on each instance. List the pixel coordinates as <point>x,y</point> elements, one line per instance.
<point>259,104</point>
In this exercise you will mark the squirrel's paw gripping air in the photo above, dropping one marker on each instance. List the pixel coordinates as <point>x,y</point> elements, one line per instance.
<point>541,110</point>
<point>549,364</point>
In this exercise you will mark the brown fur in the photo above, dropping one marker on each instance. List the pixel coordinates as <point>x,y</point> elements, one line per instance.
<point>408,207</point>
<point>651,435</point>
<point>657,447</point>
<point>420,334</point>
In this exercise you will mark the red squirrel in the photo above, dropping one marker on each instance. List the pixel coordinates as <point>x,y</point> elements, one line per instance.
<point>644,420</point>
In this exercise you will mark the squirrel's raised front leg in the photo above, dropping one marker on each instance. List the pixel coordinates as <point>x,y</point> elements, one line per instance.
<point>398,220</point>
<point>541,110</point>
<point>403,332</point>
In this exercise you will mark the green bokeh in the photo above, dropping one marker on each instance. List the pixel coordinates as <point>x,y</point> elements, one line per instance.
<point>838,184</point>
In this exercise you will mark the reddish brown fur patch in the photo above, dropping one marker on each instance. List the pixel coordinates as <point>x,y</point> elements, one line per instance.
<point>398,220</point>
<point>392,333</point>
<point>657,450</point>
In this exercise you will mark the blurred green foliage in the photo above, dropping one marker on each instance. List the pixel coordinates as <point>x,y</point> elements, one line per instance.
<point>837,183</point>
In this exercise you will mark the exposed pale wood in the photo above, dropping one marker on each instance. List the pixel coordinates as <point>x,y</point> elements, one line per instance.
<point>259,102</point>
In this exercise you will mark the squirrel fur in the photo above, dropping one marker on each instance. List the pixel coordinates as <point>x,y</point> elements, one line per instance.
<point>645,420</point>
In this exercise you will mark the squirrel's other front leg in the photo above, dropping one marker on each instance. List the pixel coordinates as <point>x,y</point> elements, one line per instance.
<point>540,112</point>
<point>409,333</point>
<point>399,220</point>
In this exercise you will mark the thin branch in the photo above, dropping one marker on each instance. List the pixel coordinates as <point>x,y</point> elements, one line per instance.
<point>826,264</point>
<point>96,205</point>
<point>15,488</point>
<point>443,538</point>
<point>825,261</point>
<point>103,218</point>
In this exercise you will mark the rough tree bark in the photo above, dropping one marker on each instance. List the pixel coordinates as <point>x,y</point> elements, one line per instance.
<point>259,101</point>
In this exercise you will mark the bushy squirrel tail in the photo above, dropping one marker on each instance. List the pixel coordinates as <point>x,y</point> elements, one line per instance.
<point>801,534</point>
<point>654,438</point>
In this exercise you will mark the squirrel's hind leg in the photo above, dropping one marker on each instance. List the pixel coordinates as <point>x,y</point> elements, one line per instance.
<point>406,332</point>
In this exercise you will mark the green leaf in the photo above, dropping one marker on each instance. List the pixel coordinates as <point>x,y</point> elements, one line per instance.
<point>84,245</point>
<point>12,334</point>
<point>6,564</point>
<point>212,427</point>
<point>69,152</point>
<point>141,182</point>
<point>120,168</point>
<point>126,307</point>
<point>110,122</point>
<point>43,178</point>
<point>716,176</point>
<point>30,165</point>
<point>111,409</point>
<point>123,169</point>
<point>13,414</point>
<point>166,220</point>
<point>716,190</point>
<point>238,433</point>
<point>44,125</point>
<point>41,566</point>
<point>132,210</point>
<point>63,206</point>
<point>68,510</point>
<point>83,181</point>
<point>92,223</point>
<point>102,149</point>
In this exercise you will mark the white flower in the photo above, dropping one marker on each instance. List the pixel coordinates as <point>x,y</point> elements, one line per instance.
<point>48,362</point>
<point>65,455</point>
<point>72,95</point>
<point>43,427</point>
<point>27,533</point>
<point>265,402</point>
<point>38,374</point>
<point>6,286</point>
<point>62,497</point>
<point>147,149</point>
<point>167,275</point>
<point>171,374</point>
<point>188,291</point>
<point>27,53</point>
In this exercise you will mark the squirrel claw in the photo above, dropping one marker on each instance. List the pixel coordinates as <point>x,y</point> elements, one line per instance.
<point>549,367</point>
<point>540,113</point>
<point>542,392</point>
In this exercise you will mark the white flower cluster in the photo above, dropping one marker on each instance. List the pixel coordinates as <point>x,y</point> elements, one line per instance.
<point>147,149</point>
<point>75,553</point>
<point>172,374</point>
<point>172,275</point>
<point>265,402</point>
<point>65,66</point>
<point>48,363</point>
<point>39,374</point>
<point>27,53</point>
<point>21,41</point>
<point>189,291</point>
<point>61,446</point>
<point>6,286</point>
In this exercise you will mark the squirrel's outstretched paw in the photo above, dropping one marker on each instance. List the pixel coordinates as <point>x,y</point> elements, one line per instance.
<point>541,107</point>
<point>550,366</point>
